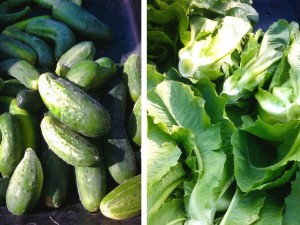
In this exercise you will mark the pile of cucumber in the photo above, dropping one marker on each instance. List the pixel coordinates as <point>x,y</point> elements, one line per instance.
<point>66,118</point>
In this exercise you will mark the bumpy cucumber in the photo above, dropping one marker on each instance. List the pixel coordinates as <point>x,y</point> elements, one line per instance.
<point>67,144</point>
<point>11,148</point>
<point>13,49</point>
<point>73,107</point>
<point>134,123</point>
<point>124,201</point>
<point>12,87</point>
<point>28,125</point>
<point>3,189</point>
<point>29,100</point>
<point>58,32</point>
<point>12,17</point>
<point>81,20</point>
<point>85,50</point>
<point>23,23</point>
<point>56,178</point>
<point>25,186</point>
<point>22,70</point>
<point>49,3</point>
<point>91,186</point>
<point>43,51</point>
<point>86,74</point>
<point>118,153</point>
<point>132,76</point>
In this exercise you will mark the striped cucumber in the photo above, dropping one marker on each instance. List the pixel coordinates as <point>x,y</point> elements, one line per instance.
<point>43,51</point>
<point>73,107</point>
<point>25,186</point>
<point>84,50</point>
<point>11,148</point>
<point>13,49</point>
<point>124,201</point>
<point>22,70</point>
<point>81,20</point>
<point>58,32</point>
<point>67,144</point>
<point>56,178</point>
<point>118,152</point>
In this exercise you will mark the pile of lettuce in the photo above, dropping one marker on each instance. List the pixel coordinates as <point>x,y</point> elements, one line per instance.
<point>223,115</point>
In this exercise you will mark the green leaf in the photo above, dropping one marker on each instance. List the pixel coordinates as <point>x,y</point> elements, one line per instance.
<point>153,77</point>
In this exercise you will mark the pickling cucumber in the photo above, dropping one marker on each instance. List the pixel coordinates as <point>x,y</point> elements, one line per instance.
<point>21,25</point>
<point>22,70</point>
<point>80,20</point>
<point>25,186</point>
<point>29,100</point>
<point>7,18</point>
<point>73,107</point>
<point>12,87</point>
<point>13,49</point>
<point>58,32</point>
<point>11,148</point>
<point>124,201</point>
<point>84,50</point>
<point>57,175</point>
<point>118,152</point>
<point>67,144</point>
<point>134,123</point>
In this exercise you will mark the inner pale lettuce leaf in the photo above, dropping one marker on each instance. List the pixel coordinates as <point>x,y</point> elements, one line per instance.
<point>204,54</point>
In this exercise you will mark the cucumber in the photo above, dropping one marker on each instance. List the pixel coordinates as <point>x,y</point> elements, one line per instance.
<point>108,69</point>
<point>58,32</point>
<point>21,25</point>
<point>29,100</point>
<point>86,74</point>
<point>56,178</point>
<point>132,75</point>
<point>3,189</point>
<point>6,6</point>
<point>47,4</point>
<point>25,186</point>
<point>91,186</point>
<point>11,148</point>
<point>5,102</point>
<point>124,201</point>
<point>73,107</point>
<point>13,49</point>
<point>12,17</point>
<point>118,152</point>
<point>12,87</point>
<point>67,144</point>
<point>134,123</point>
<point>28,125</point>
<point>85,50</point>
<point>81,20</point>
<point>41,48</point>
<point>22,70</point>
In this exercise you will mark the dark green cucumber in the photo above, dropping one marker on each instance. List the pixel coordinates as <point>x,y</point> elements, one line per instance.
<point>56,178</point>
<point>132,75</point>
<point>47,4</point>
<point>22,70</point>
<point>124,201</point>
<point>91,186</point>
<point>12,87</point>
<point>28,125</point>
<point>29,100</point>
<point>81,20</point>
<point>58,32</point>
<point>67,144</point>
<point>73,107</point>
<point>118,152</point>
<point>11,148</point>
<point>43,51</point>
<point>87,75</point>
<point>25,186</point>
<point>134,123</point>
<point>13,49</point>
<point>85,50</point>
<point>3,189</point>
<point>21,25</point>
<point>8,5</point>
<point>12,17</point>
